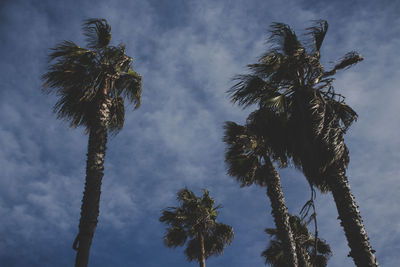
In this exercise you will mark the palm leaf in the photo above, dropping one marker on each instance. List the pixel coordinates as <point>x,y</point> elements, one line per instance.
<point>345,113</point>
<point>285,39</point>
<point>249,90</point>
<point>220,236</point>
<point>68,50</point>
<point>274,254</point>
<point>117,114</point>
<point>97,32</point>
<point>318,31</point>
<point>175,237</point>
<point>276,103</point>
<point>129,85</point>
<point>241,161</point>
<point>347,61</point>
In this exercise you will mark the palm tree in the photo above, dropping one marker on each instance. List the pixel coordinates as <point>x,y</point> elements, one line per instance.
<point>304,246</point>
<point>289,80</point>
<point>248,158</point>
<point>91,84</point>
<point>195,219</point>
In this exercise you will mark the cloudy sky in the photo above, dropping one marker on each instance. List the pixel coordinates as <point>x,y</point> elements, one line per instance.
<point>187,53</point>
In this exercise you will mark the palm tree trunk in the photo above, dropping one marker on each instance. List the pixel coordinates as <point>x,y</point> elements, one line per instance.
<point>280,212</point>
<point>203,251</point>
<point>304,257</point>
<point>94,175</point>
<point>358,241</point>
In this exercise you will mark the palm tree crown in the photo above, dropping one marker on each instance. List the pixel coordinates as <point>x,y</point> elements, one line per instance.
<point>80,75</point>
<point>248,156</point>
<point>290,81</point>
<point>304,244</point>
<point>251,145</point>
<point>195,219</point>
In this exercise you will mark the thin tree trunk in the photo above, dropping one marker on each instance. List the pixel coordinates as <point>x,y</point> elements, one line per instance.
<point>94,174</point>
<point>358,241</point>
<point>280,212</point>
<point>203,251</point>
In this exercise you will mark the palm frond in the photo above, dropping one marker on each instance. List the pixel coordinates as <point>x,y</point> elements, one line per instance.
<point>170,216</point>
<point>68,50</point>
<point>274,254</point>
<point>186,196</point>
<point>221,236</point>
<point>318,31</point>
<point>273,128</point>
<point>268,64</point>
<point>192,251</point>
<point>347,61</point>
<point>129,85</point>
<point>277,103</point>
<point>117,114</point>
<point>76,80</point>
<point>241,161</point>
<point>115,61</point>
<point>285,39</point>
<point>97,32</point>
<point>249,90</point>
<point>345,114</point>
<point>175,236</point>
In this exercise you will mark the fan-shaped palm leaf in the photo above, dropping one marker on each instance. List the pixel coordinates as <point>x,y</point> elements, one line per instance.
<point>97,32</point>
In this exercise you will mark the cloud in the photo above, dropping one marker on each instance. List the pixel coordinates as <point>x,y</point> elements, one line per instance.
<point>187,53</point>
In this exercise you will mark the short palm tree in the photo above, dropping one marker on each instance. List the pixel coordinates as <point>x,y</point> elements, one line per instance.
<point>195,219</point>
<point>274,254</point>
<point>289,80</point>
<point>91,84</point>
<point>248,157</point>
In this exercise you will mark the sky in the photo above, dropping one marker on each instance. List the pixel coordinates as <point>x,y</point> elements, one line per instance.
<point>187,53</point>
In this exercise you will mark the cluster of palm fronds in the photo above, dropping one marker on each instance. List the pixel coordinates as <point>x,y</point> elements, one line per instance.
<point>195,219</point>
<point>300,121</point>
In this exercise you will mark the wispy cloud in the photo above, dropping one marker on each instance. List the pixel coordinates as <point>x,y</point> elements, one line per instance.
<point>187,53</point>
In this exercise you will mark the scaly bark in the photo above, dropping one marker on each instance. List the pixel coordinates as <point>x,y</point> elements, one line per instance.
<point>358,241</point>
<point>94,175</point>
<point>280,212</point>
<point>303,257</point>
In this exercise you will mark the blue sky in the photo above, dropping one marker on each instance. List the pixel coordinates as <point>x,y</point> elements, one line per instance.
<point>187,53</point>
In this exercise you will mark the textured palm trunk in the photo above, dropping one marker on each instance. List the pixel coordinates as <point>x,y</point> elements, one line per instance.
<point>94,175</point>
<point>358,241</point>
<point>303,257</point>
<point>280,213</point>
<point>203,251</point>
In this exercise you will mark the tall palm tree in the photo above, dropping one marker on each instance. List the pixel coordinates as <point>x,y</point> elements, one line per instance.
<point>304,246</point>
<point>195,219</point>
<point>248,158</point>
<point>91,84</point>
<point>289,80</point>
